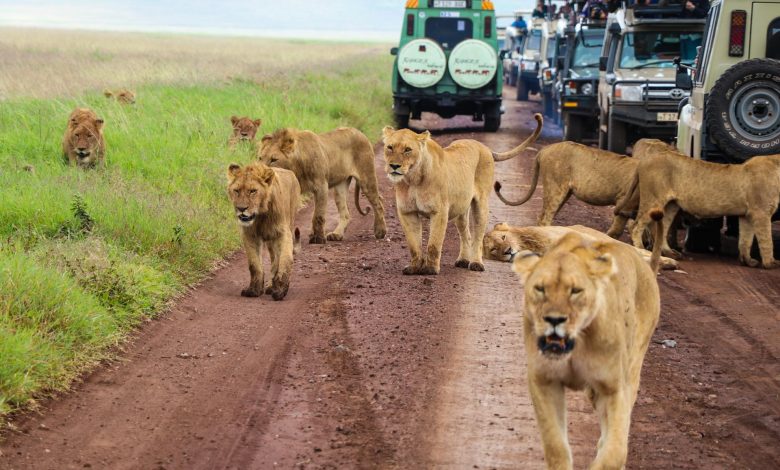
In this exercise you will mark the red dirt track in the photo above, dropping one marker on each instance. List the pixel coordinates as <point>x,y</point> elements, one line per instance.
<point>362,367</point>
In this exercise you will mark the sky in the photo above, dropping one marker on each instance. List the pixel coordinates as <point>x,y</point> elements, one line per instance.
<point>325,19</point>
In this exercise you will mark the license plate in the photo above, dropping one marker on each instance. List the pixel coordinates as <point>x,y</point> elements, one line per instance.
<point>449,3</point>
<point>449,14</point>
<point>666,117</point>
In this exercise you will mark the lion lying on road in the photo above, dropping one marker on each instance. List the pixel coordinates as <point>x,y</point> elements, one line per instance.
<point>329,160</point>
<point>244,130</point>
<point>122,95</point>
<point>441,185</point>
<point>702,189</point>
<point>590,310</point>
<point>504,242</point>
<point>83,144</point>
<point>594,176</point>
<point>266,201</point>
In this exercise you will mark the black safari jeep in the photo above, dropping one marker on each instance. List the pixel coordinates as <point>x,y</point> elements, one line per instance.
<point>447,62</point>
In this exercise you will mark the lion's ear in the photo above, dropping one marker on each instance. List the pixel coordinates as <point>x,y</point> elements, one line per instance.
<point>387,131</point>
<point>602,265</point>
<point>288,143</point>
<point>234,120</point>
<point>257,122</point>
<point>503,226</point>
<point>98,124</point>
<point>524,263</point>
<point>268,175</point>
<point>424,136</point>
<point>232,171</point>
<point>107,93</point>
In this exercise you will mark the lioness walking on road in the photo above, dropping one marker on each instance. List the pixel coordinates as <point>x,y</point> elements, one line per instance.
<point>266,201</point>
<point>590,310</point>
<point>329,160</point>
<point>442,184</point>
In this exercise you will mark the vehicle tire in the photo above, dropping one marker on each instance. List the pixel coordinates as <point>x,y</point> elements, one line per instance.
<point>547,105</point>
<point>742,113</point>
<point>703,237</point>
<point>402,121</point>
<point>513,76</point>
<point>572,127</point>
<point>522,90</point>
<point>492,123</point>
<point>616,137</point>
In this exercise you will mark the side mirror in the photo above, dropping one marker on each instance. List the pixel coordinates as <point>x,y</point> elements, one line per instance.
<point>394,51</point>
<point>682,79</point>
<point>603,63</point>
<point>502,54</point>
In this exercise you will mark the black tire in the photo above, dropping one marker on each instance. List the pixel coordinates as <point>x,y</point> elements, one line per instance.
<point>572,127</point>
<point>492,123</point>
<point>522,90</point>
<point>704,236</point>
<point>742,113</point>
<point>616,136</point>
<point>513,76</point>
<point>402,121</point>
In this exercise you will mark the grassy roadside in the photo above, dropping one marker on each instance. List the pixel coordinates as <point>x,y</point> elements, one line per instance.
<point>86,256</point>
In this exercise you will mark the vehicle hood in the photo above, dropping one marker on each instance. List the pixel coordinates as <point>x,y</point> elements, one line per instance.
<point>666,74</point>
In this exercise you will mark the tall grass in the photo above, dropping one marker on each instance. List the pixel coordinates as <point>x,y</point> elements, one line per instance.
<point>86,255</point>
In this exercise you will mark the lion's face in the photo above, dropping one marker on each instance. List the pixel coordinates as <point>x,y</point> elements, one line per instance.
<point>563,292</point>
<point>245,128</point>
<point>277,149</point>
<point>498,245</point>
<point>249,189</point>
<point>403,151</point>
<point>85,140</point>
<point>126,97</point>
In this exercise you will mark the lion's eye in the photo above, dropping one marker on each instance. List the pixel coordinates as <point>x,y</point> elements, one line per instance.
<point>252,191</point>
<point>503,237</point>
<point>273,159</point>
<point>575,290</point>
<point>407,150</point>
<point>390,148</point>
<point>236,191</point>
<point>539,289</point>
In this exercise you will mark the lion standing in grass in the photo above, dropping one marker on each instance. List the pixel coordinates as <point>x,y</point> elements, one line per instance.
<point>442,184</point>
<point>590,311</point>
<point>83,144</point>
<point>122,95</point>
<point>244,130</point>
<point>266,201</point>
<point>324,161</point>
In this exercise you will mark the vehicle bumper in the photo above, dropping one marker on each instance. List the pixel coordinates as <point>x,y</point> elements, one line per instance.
<point>445,105</point>
<point>583,105</point>
<point>646,116</point>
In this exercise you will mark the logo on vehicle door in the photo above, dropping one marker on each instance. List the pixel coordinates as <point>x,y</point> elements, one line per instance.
<point>676,93</point>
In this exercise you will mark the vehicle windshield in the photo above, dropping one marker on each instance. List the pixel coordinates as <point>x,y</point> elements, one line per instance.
<point>658,49</point>
<point>448,31</point>
<point>534,40</point>
<point>587,49</point>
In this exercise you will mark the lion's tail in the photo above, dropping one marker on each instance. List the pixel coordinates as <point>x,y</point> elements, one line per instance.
<point>534,181</point>
<point>655,258</point>
<point>357,199</point>
<point>296,241</point>
<point>500,157</point>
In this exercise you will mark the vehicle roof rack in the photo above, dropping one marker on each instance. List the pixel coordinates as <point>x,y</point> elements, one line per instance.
<point>669,12</point>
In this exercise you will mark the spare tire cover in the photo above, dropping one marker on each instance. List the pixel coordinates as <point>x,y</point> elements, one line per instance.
<point>421,63</point>
<point>473,63</point>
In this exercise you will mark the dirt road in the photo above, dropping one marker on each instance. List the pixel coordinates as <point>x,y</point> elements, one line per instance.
<point>361,367</point>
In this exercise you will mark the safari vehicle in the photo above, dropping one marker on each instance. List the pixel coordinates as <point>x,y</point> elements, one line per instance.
<point>447,62</point>
<point>733,112</point>
<point>637,95</point>
<point>548,73</point>
<point>533,53</point>
<point>580,81</point>
<point>514,39</point>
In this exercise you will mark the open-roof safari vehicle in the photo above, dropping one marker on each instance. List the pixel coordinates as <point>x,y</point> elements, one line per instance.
<point>447,62</point>
<point>733,112</point>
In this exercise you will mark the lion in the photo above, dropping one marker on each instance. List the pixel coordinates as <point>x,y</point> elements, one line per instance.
<point>244,130</point>
<point>442,184</point>
<point>590,310</point>
<point>324,161</point>
<point>122,95</point>
<point>594,176</point>
<point>266,201</point>
<point>750,191</point>
<point>504,242</point>
<point>83,144</point>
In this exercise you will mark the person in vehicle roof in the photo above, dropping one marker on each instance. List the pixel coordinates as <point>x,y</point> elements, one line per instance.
<point>540,11</point>
<point>520,23</point>
<point>695,9</point>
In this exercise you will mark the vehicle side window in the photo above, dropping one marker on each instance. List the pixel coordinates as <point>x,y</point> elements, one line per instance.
<point>534,41</point>
<point>773,40</point>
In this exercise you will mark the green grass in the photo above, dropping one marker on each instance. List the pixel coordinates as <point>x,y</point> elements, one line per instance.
<point>87,255</point>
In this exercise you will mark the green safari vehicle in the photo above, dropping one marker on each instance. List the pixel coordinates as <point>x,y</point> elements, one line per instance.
<point>447,62</point>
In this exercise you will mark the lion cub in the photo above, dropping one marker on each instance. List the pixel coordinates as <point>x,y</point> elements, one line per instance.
<point>244,130</point>
<point>329,160</point>
<point>442,184</point>
<point>266,201</point>
<point>122,95</point>
<point>590,310</point>
<point>83,144</point>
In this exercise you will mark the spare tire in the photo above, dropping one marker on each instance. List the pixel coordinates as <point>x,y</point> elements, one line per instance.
<point>743,110</point>
<point>421,63</point>
<point>473,64</point>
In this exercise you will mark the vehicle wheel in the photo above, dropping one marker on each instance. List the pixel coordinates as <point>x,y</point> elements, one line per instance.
<point>522,90</point>
<point>492,123</point>
<point>704,237</point>
<point>743,109</point>
<point>572,128</point>
<point>616,137</point>
<point>402,121</point>
<point>547,105</point>
<point>513,76</point>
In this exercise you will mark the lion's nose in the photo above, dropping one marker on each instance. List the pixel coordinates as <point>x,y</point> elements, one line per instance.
<point>82,149</point>
<point>555,321</point>
<point>395,166</point>
<point>242,209</point>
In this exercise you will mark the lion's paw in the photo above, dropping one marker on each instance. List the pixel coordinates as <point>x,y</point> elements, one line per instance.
<point>474,266</point>
<point>335,237</point>
<point>316,240</point>
<point>250,292</point>
<point>462,263</point>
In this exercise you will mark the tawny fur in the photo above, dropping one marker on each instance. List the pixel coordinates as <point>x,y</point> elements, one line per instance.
<point>244,130</point>
<point>83,144</point>
<point>606,298</point>
<point>271,196</point>
<point>442,184</point>
<point>324,161</point>
<point>123,95</point>
<point>504,242</point>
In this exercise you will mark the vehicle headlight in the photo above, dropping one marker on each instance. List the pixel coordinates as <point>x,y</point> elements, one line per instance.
<point>586,89</point>
<point>628,92</point>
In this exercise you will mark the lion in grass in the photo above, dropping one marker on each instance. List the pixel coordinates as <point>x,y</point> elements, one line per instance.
<point>83,144</point>
<point>442,184</point>
<point>122,95</point>
<point>590,310</point>
<point>244,130</point>
<point>504,242</point>
<point>324,161</point>
<point>594,176</point>
<point>266,201</point>
<point>750,191</point>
